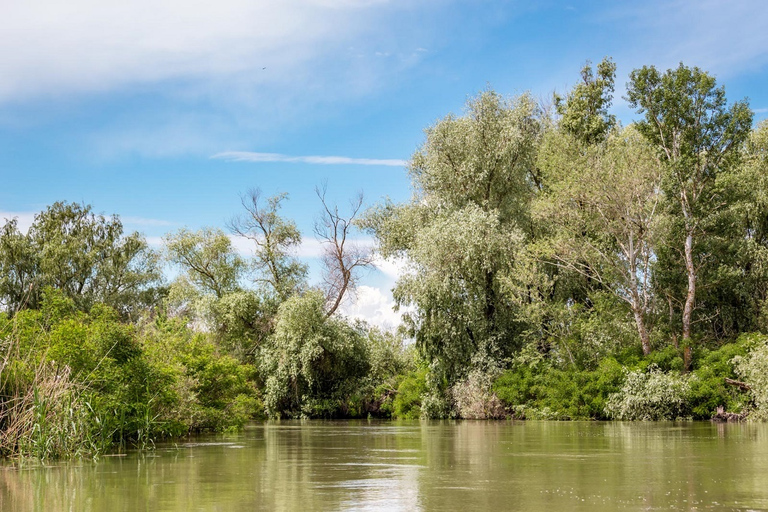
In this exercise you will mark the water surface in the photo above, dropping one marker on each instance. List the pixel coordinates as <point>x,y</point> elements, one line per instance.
<point>465,466</point>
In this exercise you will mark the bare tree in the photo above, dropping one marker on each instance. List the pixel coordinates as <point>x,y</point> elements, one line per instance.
<point>275,238</point>
<point>342,257</point>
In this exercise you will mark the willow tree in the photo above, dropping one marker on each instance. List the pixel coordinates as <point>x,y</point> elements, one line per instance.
<point>699,136</point>
<point>470,213</point>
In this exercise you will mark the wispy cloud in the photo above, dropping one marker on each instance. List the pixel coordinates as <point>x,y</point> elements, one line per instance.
<point>760,110</point>
<point>142,221</point>
<point>247,156</point>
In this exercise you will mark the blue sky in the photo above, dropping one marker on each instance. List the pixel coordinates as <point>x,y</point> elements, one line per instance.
<point>149,109</point>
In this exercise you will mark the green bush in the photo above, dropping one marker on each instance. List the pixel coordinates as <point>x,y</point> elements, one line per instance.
<point>407,401</point>
<point>708,389</point>
<point>311,363</point>
<point>650,395</point>
<point>537,390</point>
<point>753,369</point>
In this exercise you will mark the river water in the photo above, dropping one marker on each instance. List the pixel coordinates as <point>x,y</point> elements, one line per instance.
<point>440,466</point>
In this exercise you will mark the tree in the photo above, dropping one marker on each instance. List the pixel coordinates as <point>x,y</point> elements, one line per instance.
<point>584,111</point>
<point>85,255</point>
<point>473,184</point>
<point>342,257</point>
<point>275,239</point>
<point>687,119</point>
<point>605,213</point>
<point>207,258</point>
<point>18,269</point>
<point>312,363</point>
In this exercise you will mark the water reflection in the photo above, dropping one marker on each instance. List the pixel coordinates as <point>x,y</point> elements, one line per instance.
<point>418,466</point>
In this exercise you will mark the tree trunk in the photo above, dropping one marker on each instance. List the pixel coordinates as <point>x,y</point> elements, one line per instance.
<point>689,299</point>
<point>645,339</point>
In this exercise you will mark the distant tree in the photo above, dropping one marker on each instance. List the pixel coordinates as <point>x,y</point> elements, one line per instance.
<point>18,269</point>
<point>584,111</point>
<point>208,261</point>
<point>275,238</point>
<point>85,255</point>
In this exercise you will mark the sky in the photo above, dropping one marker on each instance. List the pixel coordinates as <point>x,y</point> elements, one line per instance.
<point>165,111</point>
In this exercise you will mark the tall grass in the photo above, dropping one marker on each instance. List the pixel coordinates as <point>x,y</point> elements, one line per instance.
<point>43,413</point>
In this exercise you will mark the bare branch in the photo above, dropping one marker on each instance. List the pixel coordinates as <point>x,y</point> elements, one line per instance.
<point>342,258</point>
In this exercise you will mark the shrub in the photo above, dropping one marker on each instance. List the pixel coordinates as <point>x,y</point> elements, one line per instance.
<point>650,395</point>
<point>474,399</point>
<point>708,389</point>
<point>407,401</point>
<point>753,369</point>
<point>311,359</point>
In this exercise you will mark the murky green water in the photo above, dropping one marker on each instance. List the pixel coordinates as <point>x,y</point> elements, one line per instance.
<point>462,466</point>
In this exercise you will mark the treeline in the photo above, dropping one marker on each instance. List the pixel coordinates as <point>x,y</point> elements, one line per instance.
<point>565,266</point>
<point>559,265</point>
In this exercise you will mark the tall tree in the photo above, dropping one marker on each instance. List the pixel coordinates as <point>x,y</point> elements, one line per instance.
<point>699,136</point>
<point>473,185</point>
<point>604,211</point>
<point>584,111</point>
<point>85,255</point>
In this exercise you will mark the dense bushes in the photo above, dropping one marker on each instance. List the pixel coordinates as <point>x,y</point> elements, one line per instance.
<point>77,382</point>
<point>535,389</point>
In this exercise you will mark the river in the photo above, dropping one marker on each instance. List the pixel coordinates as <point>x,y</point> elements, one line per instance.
<point>440,466</point>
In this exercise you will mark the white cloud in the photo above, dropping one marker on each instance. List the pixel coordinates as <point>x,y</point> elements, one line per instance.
<point>52,47</point>
<point>142,221</point>
<point>374,306</point>
<point>393,268</point>
<point>247,156</point>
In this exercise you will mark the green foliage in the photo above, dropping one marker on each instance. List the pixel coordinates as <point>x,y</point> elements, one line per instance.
<point>650,395</point>
<point>275,238</point>
<point>699,137</point>
<point>86,256</point>
<point>537,390</point>
<point>584,110</point>
<point>753,369</point>
<point>207,259</point>
<point>407,402</point>
<point>463,230</point>
<point>312,362</point>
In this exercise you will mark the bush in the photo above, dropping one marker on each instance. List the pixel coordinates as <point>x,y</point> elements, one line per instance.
<point>311,359</point>
<point>537,390</point>
<point>650,395</point>
<point>753,369</point>
<point>407,401</point>
<point>708,389</point>
<point>474,399</point>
